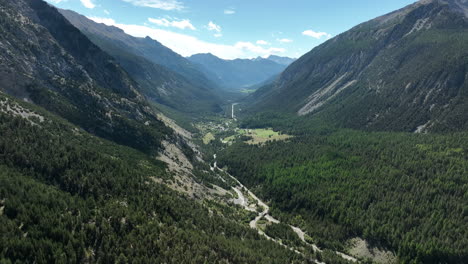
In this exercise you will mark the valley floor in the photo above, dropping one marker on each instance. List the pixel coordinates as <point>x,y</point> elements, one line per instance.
<point>352,194</point>
<point>250,202</point>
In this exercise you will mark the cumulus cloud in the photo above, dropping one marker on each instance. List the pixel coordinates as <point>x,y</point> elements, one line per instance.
<point>317,35</point>
<point>262,42</point>
<point>88,4</point>
<point>229,12</point>
<point>159,4</point>
<point>213,27</point>
<point>285,40</point>
<point>181,24</point>
<point>187,45</point>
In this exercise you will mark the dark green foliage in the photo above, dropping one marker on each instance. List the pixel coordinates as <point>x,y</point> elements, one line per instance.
<point>90,113</point>
<point>50,62</point>
<point>67,196</point>
<point>406,191</point>
<point>284,233</point>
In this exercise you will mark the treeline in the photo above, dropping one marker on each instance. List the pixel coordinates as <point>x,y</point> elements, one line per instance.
<point>69,197</point>
<point>408,192</point>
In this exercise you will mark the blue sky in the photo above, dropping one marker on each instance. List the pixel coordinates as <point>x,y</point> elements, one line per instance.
<point>234,28</point>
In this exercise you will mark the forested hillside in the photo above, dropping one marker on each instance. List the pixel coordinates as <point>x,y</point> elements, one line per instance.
<point>67,196</point>
<point>48,61</point>
<point>404,191</point>
<point>80,178</point>
<point>356,153</point>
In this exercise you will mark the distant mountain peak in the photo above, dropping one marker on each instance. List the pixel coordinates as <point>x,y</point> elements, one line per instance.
<point>281,60</point>
<point>238,73</point>
<point>208,54</point>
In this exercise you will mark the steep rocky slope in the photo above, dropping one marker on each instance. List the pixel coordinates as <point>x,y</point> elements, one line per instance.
<point>187,91</point>
<point>147,47</point>
<point>404,71</point>
<point>48,61</point>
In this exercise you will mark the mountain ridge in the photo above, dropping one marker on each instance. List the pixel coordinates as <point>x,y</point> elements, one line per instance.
<point>281,60</point>
<point>347,79</point>
<point>159,83</point>
<point>146,47</point>
<point>237,73</point>
<point>49,62</point>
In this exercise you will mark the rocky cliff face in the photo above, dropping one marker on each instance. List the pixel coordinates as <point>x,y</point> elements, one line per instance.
<point>404,71</point>
<point>46,60</point>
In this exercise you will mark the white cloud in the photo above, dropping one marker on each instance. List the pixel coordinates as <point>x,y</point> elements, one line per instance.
<point>188,45</point>
<point>285,40</point>
<point>229,12</point>
<point>159,4</point>
<point>213,27</point>
<point>317,35</point>
<point>262,42</point>
<point>182,24</point>
<point>106,12</point>
<point>88,4</point>
<point>218,35</point>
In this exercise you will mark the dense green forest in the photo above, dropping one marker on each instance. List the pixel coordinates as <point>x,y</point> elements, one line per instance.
<point>69,197</point>
<point>81,173</point>
<point>408,192</point>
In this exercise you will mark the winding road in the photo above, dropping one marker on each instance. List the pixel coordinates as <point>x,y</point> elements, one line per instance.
<point>232,111</point>
<point>243,201</point>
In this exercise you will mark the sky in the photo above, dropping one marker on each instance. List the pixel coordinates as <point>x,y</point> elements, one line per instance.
<point>233,29</point>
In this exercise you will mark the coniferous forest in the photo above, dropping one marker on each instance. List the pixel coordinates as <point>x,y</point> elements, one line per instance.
<point>172,131</point>
<point>69,197</point>
<point>406,191</point>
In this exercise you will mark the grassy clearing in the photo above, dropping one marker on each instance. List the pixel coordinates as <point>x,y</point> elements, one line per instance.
<point>258,136</point>
<point>208,138</point>
<point>248,91</point>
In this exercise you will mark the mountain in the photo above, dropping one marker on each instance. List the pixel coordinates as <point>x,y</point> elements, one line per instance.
<point>239,73</point>
<point>281,60</point>
<point>177,84</point>
<point>147,48</point>
<point>85,165</point>
<point>404,71</point>
<point>69,196</point>
<point>47,61</point>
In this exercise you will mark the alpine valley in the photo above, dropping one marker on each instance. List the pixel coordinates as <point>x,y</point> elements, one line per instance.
<point>116,149</point>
